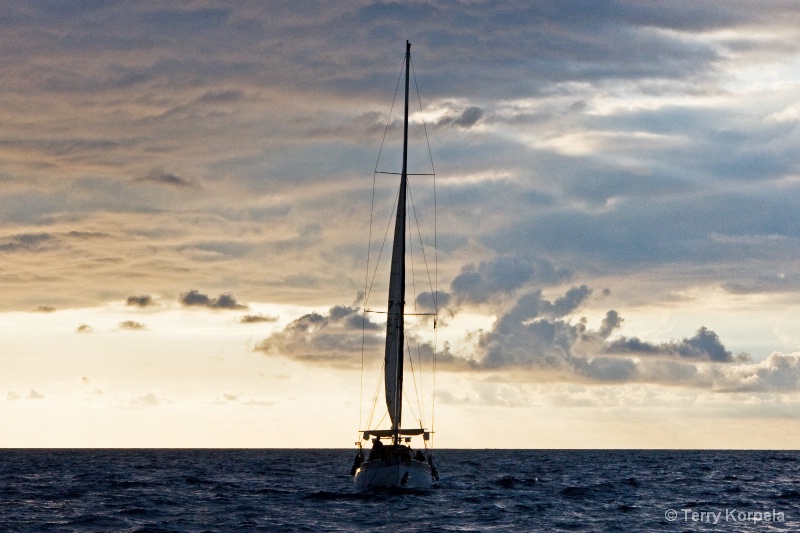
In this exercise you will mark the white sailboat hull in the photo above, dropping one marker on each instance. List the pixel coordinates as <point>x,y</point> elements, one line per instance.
<point>412,474</point>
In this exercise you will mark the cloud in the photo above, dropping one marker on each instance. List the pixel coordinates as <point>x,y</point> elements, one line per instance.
<point>502,275</point>
<point>611,322</point>
<point>245,398</point>
<point>256,319</point>
<point>534,332</point>
<point>140,301</point>
<point>149,399</point>
<point>12,396</point>
<point>194,298</point>
<point>705,345</point>
<point>232,396</point>
<point>332,338</point>
<point>546,339</point>
<point>428,302</point>
<point>777,373</point>
<point>466,119</point>
<point>131,325</point>
<point>163,178</point>
<point>531,332</point>
<point>44,309</point>
<point>225,96</point>
<point>33,394</point>
<point>84,328</point>
<point>28,242</point>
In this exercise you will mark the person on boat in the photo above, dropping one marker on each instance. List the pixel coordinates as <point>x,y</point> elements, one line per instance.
<point>405,455</point>
<point>419,456</point>
<point>357,462</point>
<point>377,449</point>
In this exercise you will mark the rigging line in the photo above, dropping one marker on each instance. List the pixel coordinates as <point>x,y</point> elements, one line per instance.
<point>364,304</point>
<point>411,408</point>
<point>424,125</point>
<point>404,314</point>
<point>433,396</point>
<point>435,252</point>
<point>414,379</point>
<point>382,419</point>
<point>375,397</point>
<point>416,327</point>
<point>433,169</point>
<point>377,162</point>
<point>389,118</point>
<point>422,245</point>
<point>407,173</point>
<point>383,245</point>
<point>361,379</point>
<point>414,279</point>
<point>435,307</point>
<point>367,285</point>
<point>433,291</point>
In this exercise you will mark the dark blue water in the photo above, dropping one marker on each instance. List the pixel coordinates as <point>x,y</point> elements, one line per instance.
<point>480,490</point>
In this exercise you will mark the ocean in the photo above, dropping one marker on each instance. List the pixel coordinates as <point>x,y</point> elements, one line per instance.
<point>480,490</point>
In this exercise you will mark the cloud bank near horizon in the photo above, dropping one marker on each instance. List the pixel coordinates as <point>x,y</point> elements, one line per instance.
<point>550,341</point>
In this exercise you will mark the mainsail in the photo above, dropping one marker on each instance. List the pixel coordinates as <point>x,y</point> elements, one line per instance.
<point>397,282</point>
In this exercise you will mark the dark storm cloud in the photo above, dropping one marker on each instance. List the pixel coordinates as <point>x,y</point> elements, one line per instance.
<point>195,298</point>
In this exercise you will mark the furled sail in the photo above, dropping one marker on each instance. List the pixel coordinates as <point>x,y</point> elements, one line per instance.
<point>397,288</point>
<point>394,318</point>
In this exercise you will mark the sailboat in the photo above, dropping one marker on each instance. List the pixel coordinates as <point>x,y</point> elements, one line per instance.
<point>396,464</point>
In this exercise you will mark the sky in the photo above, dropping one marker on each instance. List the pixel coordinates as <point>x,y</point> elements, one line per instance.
<point>186,193</point>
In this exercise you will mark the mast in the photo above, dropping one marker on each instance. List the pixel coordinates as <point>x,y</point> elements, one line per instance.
<point>395,328</point>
